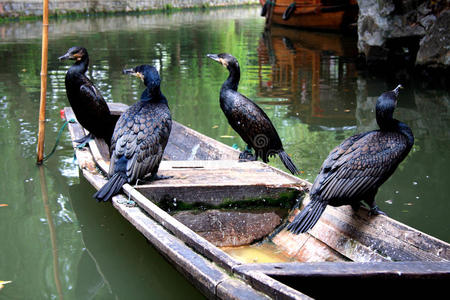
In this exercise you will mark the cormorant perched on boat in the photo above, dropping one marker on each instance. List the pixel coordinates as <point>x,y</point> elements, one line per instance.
<point>248,119</point>
<point>354,170</point>
<point>140,136</point>
<point>87,103</point>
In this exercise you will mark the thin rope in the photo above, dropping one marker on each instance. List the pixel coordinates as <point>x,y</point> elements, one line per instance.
<point>58,138</point>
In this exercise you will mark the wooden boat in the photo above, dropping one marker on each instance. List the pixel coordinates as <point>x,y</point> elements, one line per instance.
<point>345,249</point>
<point>313,14</point>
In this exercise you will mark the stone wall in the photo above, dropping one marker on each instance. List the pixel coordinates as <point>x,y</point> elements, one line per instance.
<point>404,33</point>
<point>16,8</point>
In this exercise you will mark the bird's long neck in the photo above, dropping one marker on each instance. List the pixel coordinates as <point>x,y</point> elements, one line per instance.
<point>384,111</point>
<point>80,66</point>
<point>384,114</point>
<point>406,131</point>
<point>232,81</point>
<point>153,95</point>
<point>385,121</point>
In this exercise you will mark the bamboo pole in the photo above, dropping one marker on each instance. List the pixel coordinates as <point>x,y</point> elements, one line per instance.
<point>41,133</point>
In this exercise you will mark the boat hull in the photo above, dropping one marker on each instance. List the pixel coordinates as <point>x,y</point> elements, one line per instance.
<point>372,243</point>
<point>314,16</point>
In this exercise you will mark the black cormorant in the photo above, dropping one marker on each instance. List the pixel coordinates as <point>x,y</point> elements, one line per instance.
<point>354,170</point>
<point>140,136</point>
<point>248,119</point>
<point>87,103</point>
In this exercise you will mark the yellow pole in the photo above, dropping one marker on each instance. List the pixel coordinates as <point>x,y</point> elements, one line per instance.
<point>41,134</point>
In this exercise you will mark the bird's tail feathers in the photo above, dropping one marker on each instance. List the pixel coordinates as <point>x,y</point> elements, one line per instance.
<point>111,188</point>
<point>308,217</point>
<point>288,163</point>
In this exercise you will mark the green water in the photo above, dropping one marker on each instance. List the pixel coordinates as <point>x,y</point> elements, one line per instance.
<point>57,242</point>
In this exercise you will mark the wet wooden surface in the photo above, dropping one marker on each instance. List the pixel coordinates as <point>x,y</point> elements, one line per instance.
<point>217,181</point>
<point>358,237</point>
<point>227,228</point>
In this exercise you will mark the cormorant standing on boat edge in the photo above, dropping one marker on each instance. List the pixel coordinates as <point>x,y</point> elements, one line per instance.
<point>87,103</point>
<point>354,170</point>
<point>248,119</point>
<point>140,136</point>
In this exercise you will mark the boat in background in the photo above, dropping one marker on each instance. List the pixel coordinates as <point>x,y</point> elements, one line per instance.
<point>210,201</point>
<point>312,14</point>
<point>293,70</point>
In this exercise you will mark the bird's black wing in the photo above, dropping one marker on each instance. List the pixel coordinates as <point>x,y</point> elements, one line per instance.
<point>96,103</point>
<point>253,124</point>
<point>141,137</point>
<point>361,163</point>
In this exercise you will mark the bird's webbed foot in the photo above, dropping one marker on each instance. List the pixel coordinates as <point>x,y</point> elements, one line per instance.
<point>375,211</point>
<point>247,155</point>
<point>84,140</point>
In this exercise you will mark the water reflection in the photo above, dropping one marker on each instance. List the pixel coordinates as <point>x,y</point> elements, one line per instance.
<point>52,231</point>
<point>312,72</point>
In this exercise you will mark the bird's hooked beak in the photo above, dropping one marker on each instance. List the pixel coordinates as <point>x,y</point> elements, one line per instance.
<point>397,89</point>
<point>64,57</point>
<point>218,59</point>
<point>133,73</point>
<point>69,55</point>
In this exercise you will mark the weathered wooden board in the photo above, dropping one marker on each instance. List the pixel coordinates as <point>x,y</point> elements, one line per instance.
<point>350,280</point>
<point>228,228</point>
<point>269,285</point>
<point>235,290</point>
<point>426,269</point>
<point>187,144</point>
<point>359,237</point>
<point>214,182</point>
<point>306,248</point>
